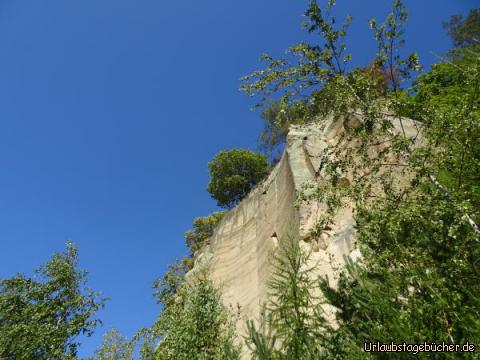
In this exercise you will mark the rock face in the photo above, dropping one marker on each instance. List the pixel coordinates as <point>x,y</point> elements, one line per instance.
<point>238,254</point>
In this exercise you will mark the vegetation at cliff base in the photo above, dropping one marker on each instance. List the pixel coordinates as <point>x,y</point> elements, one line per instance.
<point>417,280</point>
<point>407,162</point>
<point>196,326</point>
<point>293,325</point>
<point>41,316</point>
<point>115,346</point>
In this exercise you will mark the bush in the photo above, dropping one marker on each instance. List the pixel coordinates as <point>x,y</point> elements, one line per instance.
<point>277,118</point>
<point>196,326</point>
<point>42,316</point>
<point>275,129</point>
<point>203,228</point>
<point>234,173</point>
<point>292,325</point>
<point>115,347</point>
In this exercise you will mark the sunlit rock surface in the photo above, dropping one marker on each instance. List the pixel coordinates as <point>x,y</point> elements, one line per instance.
<point>238,254</point>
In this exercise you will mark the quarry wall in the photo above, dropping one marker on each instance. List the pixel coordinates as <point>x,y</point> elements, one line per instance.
<point>238,255</point>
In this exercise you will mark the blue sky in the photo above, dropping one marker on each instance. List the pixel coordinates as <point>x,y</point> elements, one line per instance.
<point>111,109</point>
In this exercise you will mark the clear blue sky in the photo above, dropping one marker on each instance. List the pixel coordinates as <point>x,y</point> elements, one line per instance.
<point>110,111</point>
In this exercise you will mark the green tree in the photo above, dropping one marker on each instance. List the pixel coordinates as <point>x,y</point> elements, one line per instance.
<point>293,325</point>
<point>233,173</point>
<point>115,347</point>
<point>418,282</point>
<point>465,32</point>
<point>277,118</point>
<point>415,197</point>
<point>275,129</point>
<point>41,316</point>
<point>203,228</point>
<point>166,287</point>
<point>308,66</point>
<point>196,325</point>
<point>447,100</point>
<point>170,289</point>
<point>418,278</point>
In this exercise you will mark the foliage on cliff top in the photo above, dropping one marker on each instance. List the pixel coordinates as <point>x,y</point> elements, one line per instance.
<point>418,279</point>
<point>233,173</point>
<point>465,31</point>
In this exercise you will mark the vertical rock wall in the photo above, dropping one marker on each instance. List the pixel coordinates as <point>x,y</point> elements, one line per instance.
<point>239,253</point>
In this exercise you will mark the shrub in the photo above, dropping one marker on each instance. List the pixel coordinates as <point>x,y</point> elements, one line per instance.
<point>42,316</point>
<point>292,325</point>
<point>203,228</point>
<point>196,326</point>
<point>234,173</point>
<point>115,347</point>
<point>277,118</point>
<point>275,129</point>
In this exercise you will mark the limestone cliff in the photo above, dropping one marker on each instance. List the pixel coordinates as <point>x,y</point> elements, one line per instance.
<point>238,254</point>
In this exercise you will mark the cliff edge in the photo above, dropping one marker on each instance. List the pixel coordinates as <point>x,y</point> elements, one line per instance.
<point>238,255</point>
